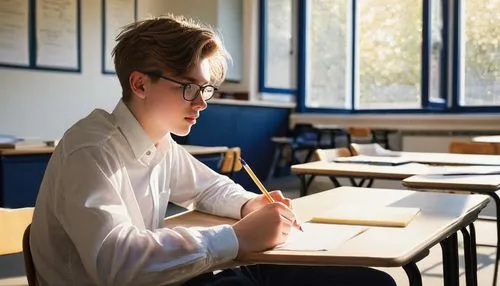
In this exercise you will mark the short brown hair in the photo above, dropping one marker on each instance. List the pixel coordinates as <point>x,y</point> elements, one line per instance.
<point>169,43</point>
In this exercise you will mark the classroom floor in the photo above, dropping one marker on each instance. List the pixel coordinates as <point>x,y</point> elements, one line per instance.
<point>12,270</point>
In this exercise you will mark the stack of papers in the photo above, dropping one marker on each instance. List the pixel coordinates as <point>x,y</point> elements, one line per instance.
<point>374,160</point>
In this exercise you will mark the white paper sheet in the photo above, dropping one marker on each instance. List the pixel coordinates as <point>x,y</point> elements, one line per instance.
<point>319,237</point>
<point>56,33</point>
<point>14,32</point>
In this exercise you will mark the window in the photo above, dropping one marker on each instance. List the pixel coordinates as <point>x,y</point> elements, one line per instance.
<point>480,53</point>
<point>437,65</point>
<point>278,57</point>
<point>390,54</point>
<point>328,68</point>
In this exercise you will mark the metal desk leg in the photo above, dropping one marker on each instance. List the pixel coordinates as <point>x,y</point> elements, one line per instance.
<point>470,275</point>
<point>449,248</point>
<point>303,185</point>
<point>497,258</point>
<point>472,231</point>
<point>334,181</point>
<point>413,273</point>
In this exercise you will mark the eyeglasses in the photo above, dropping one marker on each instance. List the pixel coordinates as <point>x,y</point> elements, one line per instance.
<point>189,90</point>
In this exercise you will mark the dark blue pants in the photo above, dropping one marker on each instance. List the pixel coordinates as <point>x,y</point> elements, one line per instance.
<point>270,275</point>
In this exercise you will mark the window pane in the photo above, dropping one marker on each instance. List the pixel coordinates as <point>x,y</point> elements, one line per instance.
<point>481,52</point>
<point>390,39</point>
<point>436,49</point>
<point>280,63</point>
<point>327,54</point>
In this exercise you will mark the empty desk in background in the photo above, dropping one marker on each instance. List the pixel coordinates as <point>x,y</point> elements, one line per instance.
<point>357,171</point>
<point>441,216</point>
<point>481,184</point>
<point>449,158</point>
<point>21,171</point>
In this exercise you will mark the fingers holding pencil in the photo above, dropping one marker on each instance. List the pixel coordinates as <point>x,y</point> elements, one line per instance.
<point>272,197</point>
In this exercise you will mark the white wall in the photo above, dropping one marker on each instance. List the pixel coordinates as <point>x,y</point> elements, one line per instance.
<point>44,104</point>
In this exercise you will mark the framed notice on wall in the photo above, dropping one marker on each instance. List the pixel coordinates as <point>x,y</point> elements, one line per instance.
<point>57,34</point>
<point>14,33</point>
<point>40,34</point>
<point>115,15</point>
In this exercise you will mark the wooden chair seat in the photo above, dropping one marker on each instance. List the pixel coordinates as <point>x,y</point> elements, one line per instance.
<point>15,237</point>
<point>465,147</point>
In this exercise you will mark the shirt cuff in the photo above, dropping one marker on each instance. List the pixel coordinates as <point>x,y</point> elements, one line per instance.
<point>221,242</point>
<point>238,203</point>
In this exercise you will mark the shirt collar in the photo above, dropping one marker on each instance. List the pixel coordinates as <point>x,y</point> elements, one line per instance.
<point>140,143</point>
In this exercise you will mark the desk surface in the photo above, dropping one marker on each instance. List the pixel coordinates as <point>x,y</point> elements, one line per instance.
<point>475,183</point>
<point>192,149</point>
<point>487,139</point>
<point>449,158</point>
<point>204,150</point>
<point>441,215</point>
<point>398,172</point>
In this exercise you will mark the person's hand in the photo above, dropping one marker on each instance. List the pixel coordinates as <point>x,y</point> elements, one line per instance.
<point>260,201</point>
<point>264,228</point>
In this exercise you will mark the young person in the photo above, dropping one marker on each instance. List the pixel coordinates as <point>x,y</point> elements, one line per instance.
<point>98,215</point>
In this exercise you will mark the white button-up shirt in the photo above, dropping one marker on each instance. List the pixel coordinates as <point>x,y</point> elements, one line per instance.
<point>98,215</point>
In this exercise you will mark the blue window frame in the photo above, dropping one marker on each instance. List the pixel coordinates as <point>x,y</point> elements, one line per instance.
<point>277,60</point>
<point>421,77</point>
<point>458,64</point>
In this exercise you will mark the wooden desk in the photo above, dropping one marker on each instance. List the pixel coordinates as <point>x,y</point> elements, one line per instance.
<point>192,149</point>
<point>27,151</point>
<point>196,150</point>
<point>448,158</point>
<point>441,216</point>
<point>21,171</point>
<point>487,139</point>
<point>367,172</point>
<point>482,184</point>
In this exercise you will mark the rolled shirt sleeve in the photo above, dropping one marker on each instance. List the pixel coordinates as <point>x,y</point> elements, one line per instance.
<point>194,182</point>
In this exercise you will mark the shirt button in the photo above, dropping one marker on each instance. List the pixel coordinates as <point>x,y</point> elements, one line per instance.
<point>148,153</point>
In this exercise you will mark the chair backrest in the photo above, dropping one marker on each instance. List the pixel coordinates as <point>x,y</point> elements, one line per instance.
<point>359,132</point>
<point>231,161</point>
<point>328,155</point>
<point>15,229</point>
<point>305,133</point>
<point>465,147</point>
<point>367,149</point>
<point>13,222</point>
<point>28,259</point>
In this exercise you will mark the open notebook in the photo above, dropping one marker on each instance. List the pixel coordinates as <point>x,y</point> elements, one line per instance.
<point>374,160</point>
<point>372,216</point>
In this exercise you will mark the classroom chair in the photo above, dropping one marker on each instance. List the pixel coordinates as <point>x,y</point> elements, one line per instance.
<point>15,228</point>
<point>359,135</point>
<point>328,155</point>
<point>465,147</point>
<point>303,137</point>
<point>368,149</point>
<point>363,135</point>
<point>231,162</point>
